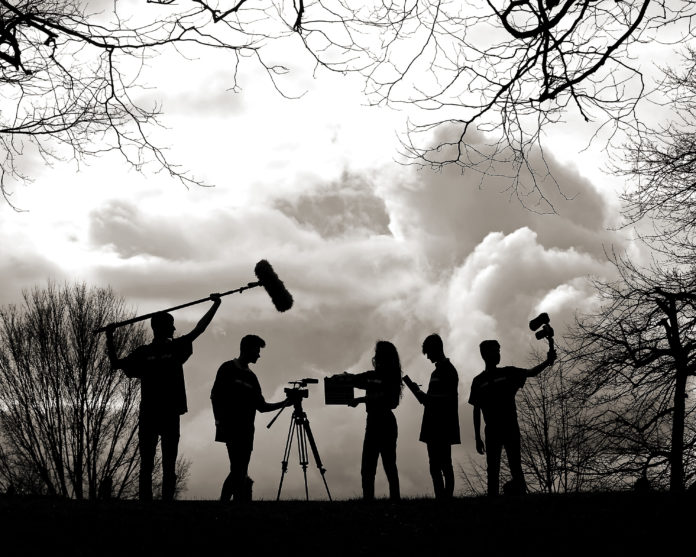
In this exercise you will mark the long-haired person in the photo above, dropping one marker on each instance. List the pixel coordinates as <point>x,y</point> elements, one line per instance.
<point>382,387</point>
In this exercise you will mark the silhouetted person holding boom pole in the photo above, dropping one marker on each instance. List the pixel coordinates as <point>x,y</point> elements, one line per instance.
<point>440,426</point>
<point>493,394</point>
<point>159,366</point>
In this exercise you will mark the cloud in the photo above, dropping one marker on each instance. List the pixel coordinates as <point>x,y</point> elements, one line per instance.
<point>343,208</point>
<point>121,226</point>
<point>449,212</point>
<point>21,271</point>
<point>505,282</point>
<point>180,92</point>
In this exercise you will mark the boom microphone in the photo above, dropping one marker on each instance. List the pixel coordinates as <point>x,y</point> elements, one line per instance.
<point>281,298</point>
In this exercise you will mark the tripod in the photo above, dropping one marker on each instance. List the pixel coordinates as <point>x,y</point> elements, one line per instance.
<point>299,427</point>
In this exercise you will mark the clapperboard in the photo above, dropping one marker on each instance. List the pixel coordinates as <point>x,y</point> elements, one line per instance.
<point>338,390</point>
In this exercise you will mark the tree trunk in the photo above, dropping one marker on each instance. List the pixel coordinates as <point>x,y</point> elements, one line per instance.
<point>676,482</point>
<point>676,455</point>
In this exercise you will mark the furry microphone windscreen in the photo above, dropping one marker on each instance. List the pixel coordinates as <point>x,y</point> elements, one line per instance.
<point>281,298</point>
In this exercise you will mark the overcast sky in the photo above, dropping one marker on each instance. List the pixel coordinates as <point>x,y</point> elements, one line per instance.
<point>369,248</point>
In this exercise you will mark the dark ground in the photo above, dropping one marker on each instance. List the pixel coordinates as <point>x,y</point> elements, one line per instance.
<point>586,524</point>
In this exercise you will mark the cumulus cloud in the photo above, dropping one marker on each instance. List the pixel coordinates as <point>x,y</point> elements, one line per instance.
<point>346,207</point>
<point>21,271</point>
<point>506,281</point>
<point>122,227</point>
<point>449,212</point>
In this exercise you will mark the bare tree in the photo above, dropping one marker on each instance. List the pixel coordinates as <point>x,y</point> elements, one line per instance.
<point>559,446</point>
<point>71,73</point>
<point>662,170</point>
<point>472,476</point>
<point>505,69</point>
<point>68,423</point>
<point>635,355</point>
<point>508,69</point>
<point>183,472</point>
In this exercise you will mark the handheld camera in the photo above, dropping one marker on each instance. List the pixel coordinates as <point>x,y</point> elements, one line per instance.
<point>542,323</point>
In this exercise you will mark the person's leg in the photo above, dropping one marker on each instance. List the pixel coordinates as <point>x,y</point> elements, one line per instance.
<point>170,449</point>
<point>228,484</point>
<point>239,455</point>
<point>147,443</point>
<point>231,479</point>
<point>447,469</point>
<point>389,437</point>
<point>434,461</point>
<point>370,455</point>
<point>514,456</point>
<point>493,451</point>
<point>240,492</point>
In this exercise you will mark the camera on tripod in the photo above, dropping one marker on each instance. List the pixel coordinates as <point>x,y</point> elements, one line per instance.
<point>300,430</point>
<point>299,390</point>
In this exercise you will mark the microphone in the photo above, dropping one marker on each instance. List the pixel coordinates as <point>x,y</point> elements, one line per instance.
<point>281,298</point>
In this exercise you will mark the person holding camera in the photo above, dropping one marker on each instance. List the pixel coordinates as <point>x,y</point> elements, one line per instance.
<point>236,397</point>
<point>382,387</point>
<point>440,426</point>
<point>159,366</point>
<point>493,394</point>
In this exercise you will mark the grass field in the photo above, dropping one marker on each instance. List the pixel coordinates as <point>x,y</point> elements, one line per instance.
<point>585,524</point>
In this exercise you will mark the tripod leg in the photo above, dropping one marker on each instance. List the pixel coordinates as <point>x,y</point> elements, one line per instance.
<point>286,455</point>
<point>302,450</point>
<point>315,452</point>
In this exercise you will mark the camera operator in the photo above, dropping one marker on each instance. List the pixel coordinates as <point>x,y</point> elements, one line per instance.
<point>382,387</point>
<point>493,395</point>
<point>236,396</point>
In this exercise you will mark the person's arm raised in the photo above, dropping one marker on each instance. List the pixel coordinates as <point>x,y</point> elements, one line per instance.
<point>536,370</point>
<point>202,325</point>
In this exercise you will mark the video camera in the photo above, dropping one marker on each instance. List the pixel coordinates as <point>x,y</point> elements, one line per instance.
<point>543,324</point>
<point>299,390</point>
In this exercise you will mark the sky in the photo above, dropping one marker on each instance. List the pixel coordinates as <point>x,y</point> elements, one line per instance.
<point>371,249</point>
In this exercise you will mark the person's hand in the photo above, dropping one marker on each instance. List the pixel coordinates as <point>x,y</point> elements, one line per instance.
<point>110,328</point>
<point>216,298</point>
<point>551,356</point>
<point>354,403</point>
<point>480,447</point>
<point>292,396</point>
